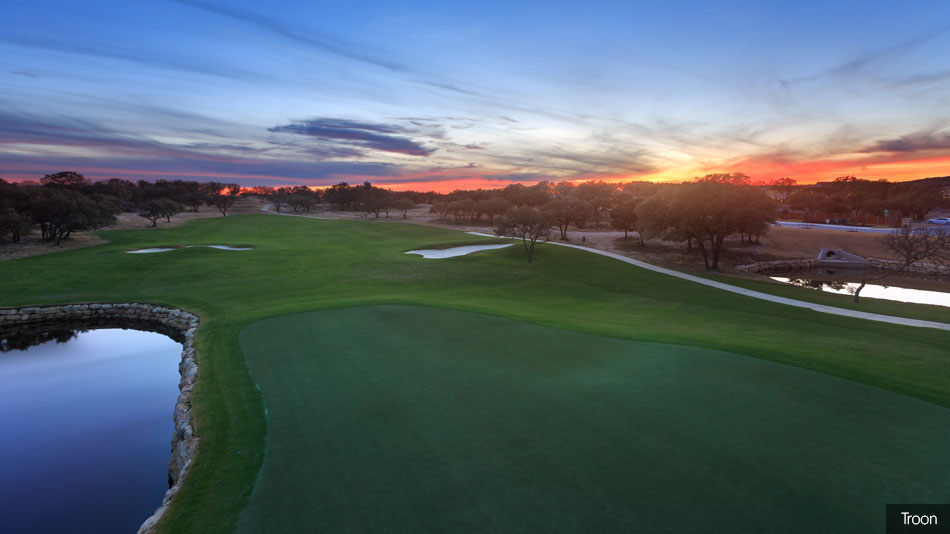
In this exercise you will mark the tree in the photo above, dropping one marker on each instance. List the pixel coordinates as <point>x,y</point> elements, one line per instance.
<point>564,211</point>
<point>915,200</point>
<point>222,196</point>
<point>404,204</point>
<point>441,209</point>
<point>342,194</point>
<point>624,217</point>
<point>300,202</point>
<point>467,210</point>
<point>64,180</point>
<point>528,223</point>
<point>15,217</point>
<point>912,245</point>
<point>191,194</point>
<point>170,208</point>
<point>374,199</point>
<point>784,188</point>
<point>704,211</point>
<point>521,195</point>
<point>754,214</point>
<point>152,210</point>
<point>493,207</point>
<point>735,178</point>
<point>60,212</point>
<point>601,196</point>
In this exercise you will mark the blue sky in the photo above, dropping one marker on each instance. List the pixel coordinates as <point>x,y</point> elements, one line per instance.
<point>442,94</point>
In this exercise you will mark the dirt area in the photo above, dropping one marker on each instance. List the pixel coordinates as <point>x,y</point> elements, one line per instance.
<point>32,245</point>
<point>806,243</point>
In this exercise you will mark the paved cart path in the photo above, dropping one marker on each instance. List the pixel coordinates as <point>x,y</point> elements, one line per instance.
<point>756,294</point>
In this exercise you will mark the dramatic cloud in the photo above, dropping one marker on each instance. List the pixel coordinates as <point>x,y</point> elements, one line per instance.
<point>913,143</point>
<point>243,171</point>
<point>372,136</point>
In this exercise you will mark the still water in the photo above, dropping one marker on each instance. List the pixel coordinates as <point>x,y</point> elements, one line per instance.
<point>928,290</point>
<point>85,429</point>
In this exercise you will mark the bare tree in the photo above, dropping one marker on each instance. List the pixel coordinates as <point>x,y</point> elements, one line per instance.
<point>912,245</point>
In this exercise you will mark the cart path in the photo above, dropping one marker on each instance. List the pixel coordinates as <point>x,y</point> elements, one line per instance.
<point>756,294</point>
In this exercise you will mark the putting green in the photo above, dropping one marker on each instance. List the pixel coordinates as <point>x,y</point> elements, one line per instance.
<point>413,419</point>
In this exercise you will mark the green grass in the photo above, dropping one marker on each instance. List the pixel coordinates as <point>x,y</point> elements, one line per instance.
<point>302,265</point>
<point>407,419</point>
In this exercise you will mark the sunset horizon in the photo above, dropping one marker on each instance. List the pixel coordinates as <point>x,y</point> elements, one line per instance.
<point>435,97</point>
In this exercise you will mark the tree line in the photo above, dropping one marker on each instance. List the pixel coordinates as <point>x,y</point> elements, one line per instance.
<point>855,197</point>
<point>702,213</point>
<point>366,198</point>
<point>67,202</point>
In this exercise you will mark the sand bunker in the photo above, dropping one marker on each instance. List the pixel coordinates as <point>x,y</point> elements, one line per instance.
<point>148,250</point>
<point>455,251</point>
<point>166,249</point>
<point>223,247</point>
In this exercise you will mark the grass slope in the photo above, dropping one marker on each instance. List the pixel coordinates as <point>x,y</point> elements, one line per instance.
<point>403,419</point>
<point>302,265</point>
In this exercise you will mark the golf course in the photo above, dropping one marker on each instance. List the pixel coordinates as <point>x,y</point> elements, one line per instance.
<point>345,386</point>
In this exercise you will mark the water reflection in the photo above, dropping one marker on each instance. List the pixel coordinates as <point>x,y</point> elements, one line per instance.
<point>22,337</point>
<point>872,290</point>
<point>87,418</point>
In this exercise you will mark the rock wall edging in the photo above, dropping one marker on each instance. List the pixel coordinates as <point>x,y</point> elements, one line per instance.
<point>184,440</point>
<point>801,264</point>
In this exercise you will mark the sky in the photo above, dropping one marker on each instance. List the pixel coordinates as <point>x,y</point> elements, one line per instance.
<point>446,95</point>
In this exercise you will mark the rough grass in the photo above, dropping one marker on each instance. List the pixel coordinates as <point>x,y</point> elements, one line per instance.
<point>407,419</point>
<point>302,264</point>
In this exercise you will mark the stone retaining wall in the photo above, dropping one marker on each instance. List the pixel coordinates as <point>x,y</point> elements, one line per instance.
<point>184,440</point>
<point>779,265</point>
<point>922,268</point>
<point>802,264</point>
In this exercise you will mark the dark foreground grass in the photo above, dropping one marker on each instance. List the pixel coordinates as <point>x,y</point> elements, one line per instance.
<point>405,419</point>
<point>301,265</point>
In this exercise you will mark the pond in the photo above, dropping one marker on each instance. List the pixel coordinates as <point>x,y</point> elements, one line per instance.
<point>933,290</point>
<point>87,426</point>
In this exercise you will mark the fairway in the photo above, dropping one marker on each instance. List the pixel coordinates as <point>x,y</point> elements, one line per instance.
<point>414,419</point>
<point>301,265</point>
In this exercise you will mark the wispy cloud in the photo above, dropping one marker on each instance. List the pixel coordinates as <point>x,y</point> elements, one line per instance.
<point>321,43</point>
<point>862,62</point>
<point>155,58</point>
